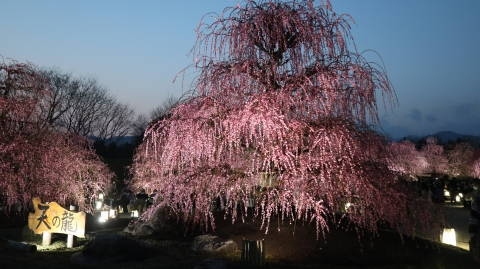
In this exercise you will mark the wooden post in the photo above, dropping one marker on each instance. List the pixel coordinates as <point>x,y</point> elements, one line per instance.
<point>70,236</point>
<point>46,238</point>
<point>253,252</point>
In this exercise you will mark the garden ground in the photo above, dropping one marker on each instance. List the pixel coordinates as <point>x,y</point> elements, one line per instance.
<point>288,245</point>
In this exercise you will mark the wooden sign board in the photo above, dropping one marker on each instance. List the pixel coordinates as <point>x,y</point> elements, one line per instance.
<point>51,217</point>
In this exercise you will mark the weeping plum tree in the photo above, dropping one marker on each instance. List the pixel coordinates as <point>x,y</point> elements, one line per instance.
<point>476,168</point>
<point>279,122</point>
<point>35,160</point>
<point>406,159</point>
<point>460,159</point>
<point>436,159</point>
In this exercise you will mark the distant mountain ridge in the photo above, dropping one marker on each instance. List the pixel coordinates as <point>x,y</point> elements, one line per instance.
<point>122,140</point>
<point>445,137</point>
<point>117,140</point>
<point>448,136</point>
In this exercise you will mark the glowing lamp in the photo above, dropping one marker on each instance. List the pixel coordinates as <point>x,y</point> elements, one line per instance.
<point>446,193</point>
<point>112,213</point>
<point>98,205</point>
<point>347,205</point>
<point>134,214</point>
<point>458,198</point>
<point>101,196</point>
<point>449,237</point>
<point>103,216</point>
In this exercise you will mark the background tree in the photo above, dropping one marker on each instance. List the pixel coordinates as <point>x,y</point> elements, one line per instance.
<point>158,113</point>
<point>36,160</point>
<point>460,159</point>
<point>83,107</point>
<point>476,168</point>
<point>406,159</point>
<point>435,155</point>
<point>21,91</point>
<point>282,95</point>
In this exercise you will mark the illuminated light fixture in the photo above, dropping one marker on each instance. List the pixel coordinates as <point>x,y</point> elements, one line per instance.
<point>446,193</point>
<point>98,205</point>
<point>348,205</point>
<point>449,237</point>
<point>112,213</point>
<point>101,196</point>
<point>134,214</point>
<point>103,216</point>
<point>458,198</point>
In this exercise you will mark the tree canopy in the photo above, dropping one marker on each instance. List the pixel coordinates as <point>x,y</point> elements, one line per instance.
<point>35,159</point>
<point>281,116</point>
<point>83,107</point>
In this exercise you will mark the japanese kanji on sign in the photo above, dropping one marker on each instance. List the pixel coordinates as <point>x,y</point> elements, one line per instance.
<point>51,217</point>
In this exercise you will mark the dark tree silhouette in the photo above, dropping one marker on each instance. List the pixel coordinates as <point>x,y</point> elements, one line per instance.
<point>83,107</point>
<point>158,113</point>
<point>280,118</point>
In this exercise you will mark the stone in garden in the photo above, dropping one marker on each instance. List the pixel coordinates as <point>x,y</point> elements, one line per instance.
<point>160,225</point>
<point>212,243</point>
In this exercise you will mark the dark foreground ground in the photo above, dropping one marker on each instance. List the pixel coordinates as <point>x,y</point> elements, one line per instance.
<point>287,246</point>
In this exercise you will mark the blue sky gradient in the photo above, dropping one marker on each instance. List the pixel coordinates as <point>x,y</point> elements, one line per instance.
<point>430,49</point>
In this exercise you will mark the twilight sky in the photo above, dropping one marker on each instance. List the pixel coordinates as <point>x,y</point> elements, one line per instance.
<point>430,49</point>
